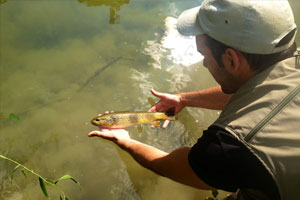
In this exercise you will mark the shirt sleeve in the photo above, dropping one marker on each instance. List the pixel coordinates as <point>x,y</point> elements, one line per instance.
<point>222,161</point>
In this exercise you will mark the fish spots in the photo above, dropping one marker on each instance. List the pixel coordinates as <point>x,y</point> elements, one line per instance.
<point>126,119</point>
<point>133,118</point>
<point>114,119</point>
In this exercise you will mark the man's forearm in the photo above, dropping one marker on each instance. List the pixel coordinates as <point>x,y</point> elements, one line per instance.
<point>172,165</point>
<point>145,155</point>
<point>211,98</point>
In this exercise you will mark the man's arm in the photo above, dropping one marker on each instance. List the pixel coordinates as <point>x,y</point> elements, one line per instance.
<point>211,98</point>
<point>172,165</point>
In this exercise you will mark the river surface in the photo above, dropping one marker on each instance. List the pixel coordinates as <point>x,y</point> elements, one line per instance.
<point>62,63</point>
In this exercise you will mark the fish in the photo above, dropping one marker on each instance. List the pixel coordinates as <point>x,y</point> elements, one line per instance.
<point>117,120</point>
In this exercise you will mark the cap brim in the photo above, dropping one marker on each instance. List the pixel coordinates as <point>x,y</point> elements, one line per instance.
<point>188,23</point>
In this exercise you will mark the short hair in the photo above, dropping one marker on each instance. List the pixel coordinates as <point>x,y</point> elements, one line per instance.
<point>257,62</point>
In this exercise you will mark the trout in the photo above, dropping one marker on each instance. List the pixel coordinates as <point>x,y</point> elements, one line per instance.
<point>117,120</point>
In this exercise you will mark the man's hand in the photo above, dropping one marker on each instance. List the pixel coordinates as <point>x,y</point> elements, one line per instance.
<point>167,102</point>
<point>118,136</point>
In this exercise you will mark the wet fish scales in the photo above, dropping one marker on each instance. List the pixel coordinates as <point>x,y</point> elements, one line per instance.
<point>126,119</point>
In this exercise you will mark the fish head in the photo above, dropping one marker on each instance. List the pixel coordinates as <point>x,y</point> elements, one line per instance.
<point>103,121</point>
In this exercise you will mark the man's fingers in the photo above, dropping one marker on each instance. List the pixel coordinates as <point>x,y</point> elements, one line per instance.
<point>94,133</point>
<point>156,107</point>
<point>104,133</point>
<point>166,123</point>
<point>157,94</point>
<point>159,107</point>
<point>153,92</point>
<point>152,109</point>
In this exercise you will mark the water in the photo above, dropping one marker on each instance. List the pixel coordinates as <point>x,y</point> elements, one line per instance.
<point>50,49</point>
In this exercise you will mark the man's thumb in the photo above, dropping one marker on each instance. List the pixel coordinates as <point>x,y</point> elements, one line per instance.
<point>157,94</point>
<point>93,133</point>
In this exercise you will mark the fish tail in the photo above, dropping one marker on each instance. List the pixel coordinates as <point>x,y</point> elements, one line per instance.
<point>164,116</point>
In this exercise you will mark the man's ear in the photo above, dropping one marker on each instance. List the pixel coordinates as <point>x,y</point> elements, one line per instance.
<point>232,60</point>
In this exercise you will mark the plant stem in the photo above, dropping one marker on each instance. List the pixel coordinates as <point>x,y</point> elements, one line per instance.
<point>34,173</point>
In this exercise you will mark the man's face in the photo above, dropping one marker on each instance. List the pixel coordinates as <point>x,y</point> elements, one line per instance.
<point>223,77</point>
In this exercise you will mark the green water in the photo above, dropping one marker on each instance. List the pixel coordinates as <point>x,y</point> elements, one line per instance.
<point>50,54</point>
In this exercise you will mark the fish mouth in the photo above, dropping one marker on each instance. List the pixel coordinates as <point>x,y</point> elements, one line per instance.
<point>94,123</point>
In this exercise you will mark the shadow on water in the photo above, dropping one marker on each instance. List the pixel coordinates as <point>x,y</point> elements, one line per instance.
<point>3,1</point>
<point>114,6</point>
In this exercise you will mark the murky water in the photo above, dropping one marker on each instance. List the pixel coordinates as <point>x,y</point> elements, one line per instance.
<point>63,62</point>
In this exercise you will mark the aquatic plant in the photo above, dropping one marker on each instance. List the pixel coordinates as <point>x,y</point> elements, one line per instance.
<point>214,194</point>
<point>13,116</point>
<point>41,179</point>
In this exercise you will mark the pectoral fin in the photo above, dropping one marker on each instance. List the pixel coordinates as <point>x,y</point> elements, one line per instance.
<point>156,123</point>
<point>139,128</point>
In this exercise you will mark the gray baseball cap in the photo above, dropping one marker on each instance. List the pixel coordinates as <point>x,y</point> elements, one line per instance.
<point>251,26</point>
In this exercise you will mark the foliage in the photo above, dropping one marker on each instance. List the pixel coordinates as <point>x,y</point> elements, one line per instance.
<point>214,193</point>
<point>41,179</point>
<point>13,116</point>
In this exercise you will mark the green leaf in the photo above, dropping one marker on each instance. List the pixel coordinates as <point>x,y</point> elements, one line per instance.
<point>67,176</point>
<point>23,172</point>
<point>214,193</point>
<point>60,198</point>
<point>66,198</point>
<point>43,187</point>
<point>13,116</point>
<point>209,198</point>
<point>13,172</point>
<point>50,181</point>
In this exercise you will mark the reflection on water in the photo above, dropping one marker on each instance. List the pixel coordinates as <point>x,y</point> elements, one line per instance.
<point>114,6</point>
<point>2,1</point>
<point>173,47</point>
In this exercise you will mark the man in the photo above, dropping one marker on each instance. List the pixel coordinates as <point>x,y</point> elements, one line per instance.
<point>253,148</point>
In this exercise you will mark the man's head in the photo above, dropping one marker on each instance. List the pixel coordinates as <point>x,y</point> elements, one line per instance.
<point>250,26</point>
<point>247,35</point>
<point>233,73</point>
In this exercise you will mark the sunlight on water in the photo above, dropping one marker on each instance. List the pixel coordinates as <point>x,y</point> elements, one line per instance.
<point>183,49</point>
<point>175,48</point>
